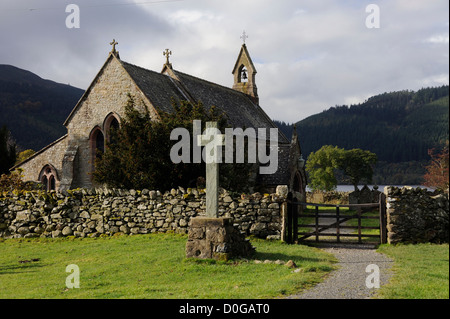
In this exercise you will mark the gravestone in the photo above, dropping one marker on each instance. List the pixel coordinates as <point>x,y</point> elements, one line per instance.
<point>213,236</point>
<point>364,195</point>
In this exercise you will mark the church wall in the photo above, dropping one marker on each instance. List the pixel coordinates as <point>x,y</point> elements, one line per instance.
<point>52,155</point>
<point>108,94</point>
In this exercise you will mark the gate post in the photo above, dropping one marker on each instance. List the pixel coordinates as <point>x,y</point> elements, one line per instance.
<point>283,212</point>
<point>383,232</point>
<point>295,220</point>
<point>289,219</point>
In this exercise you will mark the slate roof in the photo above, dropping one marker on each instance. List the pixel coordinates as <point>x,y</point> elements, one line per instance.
<point>283,174</point>
<point>161,89</point>
<point>238,107</point>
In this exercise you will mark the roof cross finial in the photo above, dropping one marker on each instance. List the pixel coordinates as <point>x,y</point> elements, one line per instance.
<point>113,43</point>
<point>167,53</point>
<point>244,36</point>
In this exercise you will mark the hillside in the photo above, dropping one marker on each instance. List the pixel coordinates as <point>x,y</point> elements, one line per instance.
<point>399,127</point>
<point>32,108</point>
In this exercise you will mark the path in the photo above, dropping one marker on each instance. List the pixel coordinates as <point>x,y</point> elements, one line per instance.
<point>349,281</point>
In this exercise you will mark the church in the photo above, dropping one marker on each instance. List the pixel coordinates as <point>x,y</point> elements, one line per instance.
<point>68,162</point>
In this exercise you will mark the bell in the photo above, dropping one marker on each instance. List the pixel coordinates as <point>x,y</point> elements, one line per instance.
<point>244,74</point>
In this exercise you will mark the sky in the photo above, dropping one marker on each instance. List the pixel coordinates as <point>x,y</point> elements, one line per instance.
<point>310,55</point>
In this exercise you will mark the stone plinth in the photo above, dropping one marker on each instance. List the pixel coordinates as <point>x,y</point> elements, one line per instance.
<point>216,238</point>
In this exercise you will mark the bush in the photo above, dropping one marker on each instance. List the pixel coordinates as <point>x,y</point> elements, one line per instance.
<point>14,182</point>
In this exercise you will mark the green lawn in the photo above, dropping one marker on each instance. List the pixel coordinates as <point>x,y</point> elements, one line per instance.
<point>421,272</point>
<point>151,266</point>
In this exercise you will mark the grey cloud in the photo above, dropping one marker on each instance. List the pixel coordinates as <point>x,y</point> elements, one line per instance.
<point>310,54</point>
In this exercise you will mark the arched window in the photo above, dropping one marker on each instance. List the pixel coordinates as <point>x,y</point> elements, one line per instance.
<point>110,125</point>
<point>297,185</point>
<point>100,142</point>
<point>48,177</point>
<point>52,183</point>
<point>114,125</point>
<point>97,143</point>
<point>243,74</point>
<point>44,182</point>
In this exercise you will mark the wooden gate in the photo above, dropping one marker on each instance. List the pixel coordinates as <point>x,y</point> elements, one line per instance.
<point>311,222</point>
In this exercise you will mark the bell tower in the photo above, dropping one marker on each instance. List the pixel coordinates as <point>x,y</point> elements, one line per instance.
<point>244,73</point>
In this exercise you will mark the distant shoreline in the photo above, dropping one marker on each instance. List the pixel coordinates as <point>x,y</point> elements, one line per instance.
<point>350,188</point>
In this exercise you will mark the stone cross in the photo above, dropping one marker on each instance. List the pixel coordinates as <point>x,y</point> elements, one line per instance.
<point>167,53</point>
<point>113,43</point>
<point>212,139</point>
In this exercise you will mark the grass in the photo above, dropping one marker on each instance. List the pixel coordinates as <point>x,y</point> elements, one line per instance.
<point>421,272</point>
<point>152,266</point>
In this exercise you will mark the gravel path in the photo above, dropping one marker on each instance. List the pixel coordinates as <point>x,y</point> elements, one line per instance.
<point>349,281</point>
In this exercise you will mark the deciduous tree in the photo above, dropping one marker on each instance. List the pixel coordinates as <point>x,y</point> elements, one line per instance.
<point>322,166</point>
<point>357,165</point>
<point>437,175</point>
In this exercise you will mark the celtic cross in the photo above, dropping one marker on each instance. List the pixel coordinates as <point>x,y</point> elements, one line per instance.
<point>167,53</point>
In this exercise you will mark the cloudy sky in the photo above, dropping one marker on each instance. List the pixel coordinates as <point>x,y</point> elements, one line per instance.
<point>309,54</point>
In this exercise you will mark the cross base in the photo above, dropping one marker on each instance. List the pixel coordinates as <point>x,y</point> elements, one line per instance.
<point>216,238</point>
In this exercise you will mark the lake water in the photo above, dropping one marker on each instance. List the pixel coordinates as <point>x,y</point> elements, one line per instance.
<point>350,188</point>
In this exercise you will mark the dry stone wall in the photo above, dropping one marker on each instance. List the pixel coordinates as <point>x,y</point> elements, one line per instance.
<point>95,212</point>
<point>416,215</point>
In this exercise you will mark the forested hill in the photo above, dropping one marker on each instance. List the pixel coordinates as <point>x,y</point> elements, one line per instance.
<point>399,127</point>
<point>32,108</point>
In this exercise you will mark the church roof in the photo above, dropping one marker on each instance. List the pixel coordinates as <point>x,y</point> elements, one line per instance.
<point>283,172</point>
<point>237,106</point>
<point>161,89</point>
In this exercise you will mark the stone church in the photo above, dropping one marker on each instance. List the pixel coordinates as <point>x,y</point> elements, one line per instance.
<point>67,163</point>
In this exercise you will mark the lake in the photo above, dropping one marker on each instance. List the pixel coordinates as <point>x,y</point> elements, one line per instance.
<point>350,188</point>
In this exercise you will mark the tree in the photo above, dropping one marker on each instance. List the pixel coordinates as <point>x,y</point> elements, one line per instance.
<point>7,151</point>
<point>358,165</point>
<point>138,155</point>
<point>437,175</point>
<point>14,182</point>
<point>24,155</point>
<point>321,166</point>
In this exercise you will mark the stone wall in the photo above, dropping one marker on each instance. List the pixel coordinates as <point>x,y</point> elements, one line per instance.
<point>91,213</point>
<point>416,215</point>
<point>331,197</point>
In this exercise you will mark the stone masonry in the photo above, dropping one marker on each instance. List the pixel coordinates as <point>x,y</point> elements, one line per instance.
<point>53,154</point>
<point>416,215</point>
<point>216,238</point>
<point>96,212</point>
